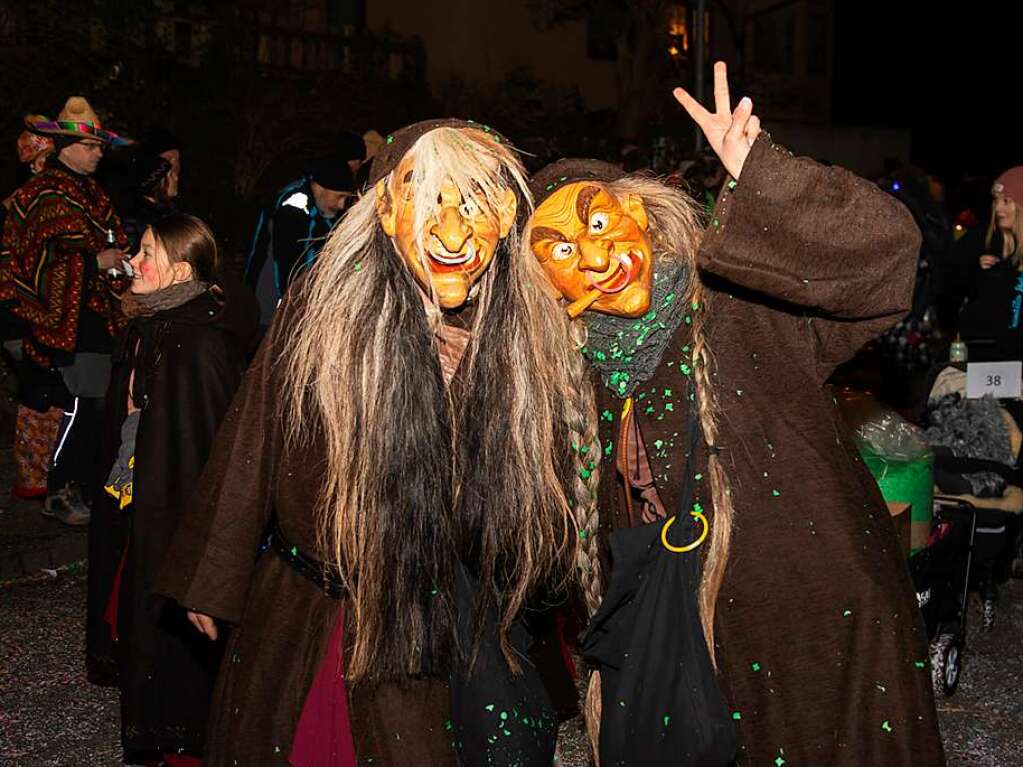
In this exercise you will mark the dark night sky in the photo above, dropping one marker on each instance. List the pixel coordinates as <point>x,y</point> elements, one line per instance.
<point>950,73</point>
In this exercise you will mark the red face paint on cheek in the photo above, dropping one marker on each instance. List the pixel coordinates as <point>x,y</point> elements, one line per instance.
<point>147,269</point>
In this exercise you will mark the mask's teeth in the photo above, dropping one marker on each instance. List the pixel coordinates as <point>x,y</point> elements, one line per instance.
<point>469,255</point>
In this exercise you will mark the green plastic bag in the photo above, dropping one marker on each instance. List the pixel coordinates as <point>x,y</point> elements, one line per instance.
<point>897,454</point>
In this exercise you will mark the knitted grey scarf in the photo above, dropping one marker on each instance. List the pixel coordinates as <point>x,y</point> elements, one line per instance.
<point>626,351</point>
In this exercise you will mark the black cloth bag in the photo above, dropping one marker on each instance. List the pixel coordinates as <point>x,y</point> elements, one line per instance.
<point>660,697</point>
<point>499,719</point>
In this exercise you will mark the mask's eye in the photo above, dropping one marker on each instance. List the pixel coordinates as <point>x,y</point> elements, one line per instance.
<point>598,223</point>
<point>562,250</point>
<point>469,209</point>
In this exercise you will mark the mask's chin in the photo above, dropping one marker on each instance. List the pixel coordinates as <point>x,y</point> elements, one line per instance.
<point>452,289</point>
<point>632,302</point>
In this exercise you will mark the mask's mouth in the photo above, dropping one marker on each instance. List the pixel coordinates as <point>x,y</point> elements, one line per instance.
<point>442,260</point>
<point>619,275</point>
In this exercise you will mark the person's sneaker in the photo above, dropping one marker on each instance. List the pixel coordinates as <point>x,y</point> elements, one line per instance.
<point>67,506</point>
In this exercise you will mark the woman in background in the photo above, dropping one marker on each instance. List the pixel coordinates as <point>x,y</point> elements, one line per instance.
<point>991,323</point>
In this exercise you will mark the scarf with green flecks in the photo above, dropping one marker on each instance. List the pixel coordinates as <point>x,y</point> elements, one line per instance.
<point>625,350</point>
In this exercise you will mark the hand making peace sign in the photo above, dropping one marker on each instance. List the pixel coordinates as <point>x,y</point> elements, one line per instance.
<point>730,134</point>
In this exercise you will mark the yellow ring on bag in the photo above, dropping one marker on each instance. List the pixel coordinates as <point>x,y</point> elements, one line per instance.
<point>689,546</point>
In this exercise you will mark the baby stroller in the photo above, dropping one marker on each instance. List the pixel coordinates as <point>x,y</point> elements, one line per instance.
<point>941,574</point>
<point>976,447</point>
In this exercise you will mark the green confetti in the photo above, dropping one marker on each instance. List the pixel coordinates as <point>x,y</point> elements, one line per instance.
<point>670,407</point>
<point>755,666</point>
<point>667,393</point>
<point>920,664</point>
<point>775,493</point>
<point>736,715</point>
<point>698,477</point>
<point>667,721</point>
<point>886,726</point>
<point>504,715</point>
<point>732,184</point>
<point>607,416</point>
<point>294,551</point>
<point>658,443</point>
<point>847,613</point>
<point>608,448</point>
<point>489,707</point>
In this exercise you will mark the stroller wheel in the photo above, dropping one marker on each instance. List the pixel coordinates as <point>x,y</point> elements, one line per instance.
<point>946,663</point>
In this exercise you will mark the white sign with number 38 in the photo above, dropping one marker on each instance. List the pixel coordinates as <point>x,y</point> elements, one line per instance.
<point>997,379</point>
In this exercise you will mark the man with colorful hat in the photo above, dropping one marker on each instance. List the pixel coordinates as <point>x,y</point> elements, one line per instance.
<point>60,237</point>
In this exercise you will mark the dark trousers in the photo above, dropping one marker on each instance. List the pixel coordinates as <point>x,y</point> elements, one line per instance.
<point>76,455</point>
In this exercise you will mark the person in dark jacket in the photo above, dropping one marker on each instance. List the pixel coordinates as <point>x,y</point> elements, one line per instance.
<point>291,231</point>
<point>990,322</point>
<point>176,367</point>
<point>151,194</point>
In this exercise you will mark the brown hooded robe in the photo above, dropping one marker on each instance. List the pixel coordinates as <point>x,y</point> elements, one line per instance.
<point>820,645</point>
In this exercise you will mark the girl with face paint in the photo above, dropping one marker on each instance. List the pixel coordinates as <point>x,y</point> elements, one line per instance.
<point>176,368</point>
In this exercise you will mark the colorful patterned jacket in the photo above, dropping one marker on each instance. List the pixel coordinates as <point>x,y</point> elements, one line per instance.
<point>56,223</point>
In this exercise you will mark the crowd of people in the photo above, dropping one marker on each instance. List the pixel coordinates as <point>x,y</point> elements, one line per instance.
<point>346,507</point>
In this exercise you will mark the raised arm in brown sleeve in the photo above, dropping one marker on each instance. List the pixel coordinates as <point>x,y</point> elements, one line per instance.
<point>819,239</point>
